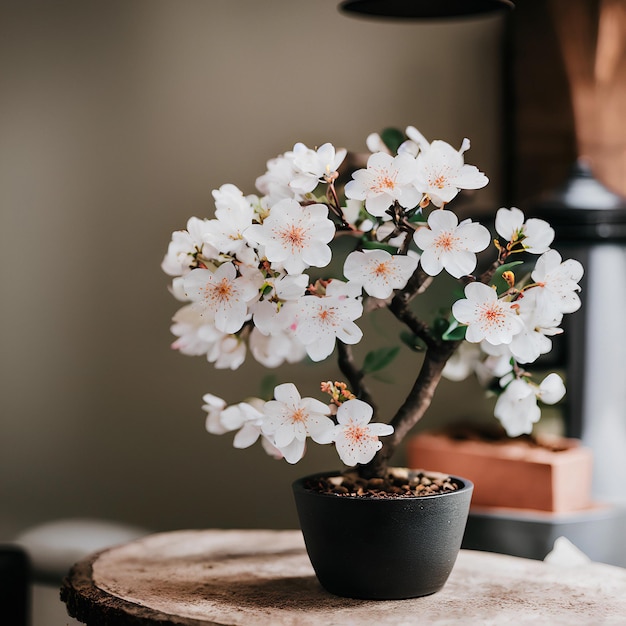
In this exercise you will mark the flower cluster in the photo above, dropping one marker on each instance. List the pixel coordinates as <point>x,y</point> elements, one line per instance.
<point>513,328</point>
<point>252,282</point>
<point>285,423</point>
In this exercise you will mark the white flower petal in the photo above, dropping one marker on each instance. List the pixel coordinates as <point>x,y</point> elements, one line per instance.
<point>294,451</point>
<point>551,389</point>
<point>284,435</point>
<point>355,411</point>
<point>247,436</point>
<point>287,393</point>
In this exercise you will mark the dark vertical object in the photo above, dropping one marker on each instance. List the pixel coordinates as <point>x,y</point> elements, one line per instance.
<point>15,579</point>
<point>542,135</point>
<point>509,109</point>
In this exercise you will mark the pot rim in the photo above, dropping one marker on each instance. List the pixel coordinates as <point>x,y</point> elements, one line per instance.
<point>298,486</point>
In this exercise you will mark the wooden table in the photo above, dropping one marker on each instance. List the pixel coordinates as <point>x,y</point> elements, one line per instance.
<point>261,577</point>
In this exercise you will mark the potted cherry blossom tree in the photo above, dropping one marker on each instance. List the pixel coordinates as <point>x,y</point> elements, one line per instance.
<point>257,279</point>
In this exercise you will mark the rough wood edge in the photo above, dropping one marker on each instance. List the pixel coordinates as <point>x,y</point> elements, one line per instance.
<point>87,603</point>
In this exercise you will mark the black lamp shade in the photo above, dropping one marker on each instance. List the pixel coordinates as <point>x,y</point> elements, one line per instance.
<point>423,9</point>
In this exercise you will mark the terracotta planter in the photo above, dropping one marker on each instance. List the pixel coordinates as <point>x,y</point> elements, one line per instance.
<point>512,473</point>
<point>382,549</point>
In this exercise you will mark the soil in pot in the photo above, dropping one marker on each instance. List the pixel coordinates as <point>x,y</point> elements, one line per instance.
<point>398,483</point>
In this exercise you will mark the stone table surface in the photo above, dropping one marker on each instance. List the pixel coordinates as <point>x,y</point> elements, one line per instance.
<point>261,577</point>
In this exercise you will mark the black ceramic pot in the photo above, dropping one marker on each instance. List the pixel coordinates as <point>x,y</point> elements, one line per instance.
<point>382,549</point>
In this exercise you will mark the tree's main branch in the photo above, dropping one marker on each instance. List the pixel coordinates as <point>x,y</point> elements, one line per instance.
<point>437,354</point>
<point>420,397</point>
<point>414,406</point>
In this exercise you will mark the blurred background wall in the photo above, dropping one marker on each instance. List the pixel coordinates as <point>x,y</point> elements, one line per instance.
<point>117,119</point>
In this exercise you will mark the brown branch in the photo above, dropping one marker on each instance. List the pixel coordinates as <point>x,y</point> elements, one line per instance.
<point>414,407</point>
<point>437,355</point>
<point>503,254</point>
<point>399,305</point>
<point>354,374</point>
<point>416,285</point>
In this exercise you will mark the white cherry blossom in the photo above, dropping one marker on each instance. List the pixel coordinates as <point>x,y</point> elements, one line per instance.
<point>234,214</point>
<point>552,389</point>
<point>275,182</point>
<point>375,143</point>
<point>177,289</point>
<point>352,211</point>
<point>321,320</point>
<point>356,440</point>
<point>222,294</point>
<point>244,417</point>
<point>387,232</point>
<point>295,237</point>
<point>385,180</point>
<point>498,361</point>
<point>272,340</point>
<point>484,360</point>
<point>517,409</point>
<point>228,352</point>
<point>229,199</point>
<point>442,172</point>
<point>247,419</point>
<point>291,286</point>
<point>270,314</point>
<point>195,333</point>
<point>315,166</point>
<point>214,406</point>
<point>495,365</point>
<point>487,317</point>
<point>419,141</point>
<point>557,283</point>
<point>536,235</point>
<point>539,325</point>
<point>184,245</point>
<point>276,348</point>
<point>290,419</point>
<point>448,245</point>
<point>463,362</point>
<point>378,271</point>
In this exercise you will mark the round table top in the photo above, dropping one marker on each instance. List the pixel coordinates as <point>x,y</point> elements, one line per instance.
<point>260,577</point>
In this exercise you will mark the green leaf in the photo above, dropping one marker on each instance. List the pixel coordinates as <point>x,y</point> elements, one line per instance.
<point>378,245</point>
<point>455,331</point>
<point>497,281</point>
<point>392,138</point>
<point>440,326</point>
<point>413,341</point>
<point>267,386</point>
<point>377,360</point>
<point>418,218</point>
